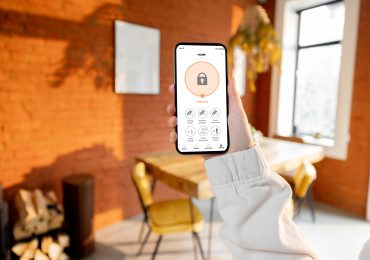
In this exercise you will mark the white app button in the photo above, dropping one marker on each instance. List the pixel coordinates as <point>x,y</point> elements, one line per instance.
<point>190,131</point>
<point>215,130</point>
<point>189,113</point>
<point>202,113</point>
<point>215,113</point>
<point>203,130</point>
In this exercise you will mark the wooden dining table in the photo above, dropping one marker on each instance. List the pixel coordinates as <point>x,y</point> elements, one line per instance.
<point>186,173</point>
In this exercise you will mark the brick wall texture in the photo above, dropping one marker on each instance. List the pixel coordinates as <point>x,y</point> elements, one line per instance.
<point>59,114</point>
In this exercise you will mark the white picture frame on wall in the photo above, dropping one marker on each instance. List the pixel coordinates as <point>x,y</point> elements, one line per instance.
<point>137,59</point>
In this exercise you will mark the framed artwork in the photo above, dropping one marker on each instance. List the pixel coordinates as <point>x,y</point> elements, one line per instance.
<point>137,59</point>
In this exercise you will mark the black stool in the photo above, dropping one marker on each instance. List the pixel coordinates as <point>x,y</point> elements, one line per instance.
<point>78,198</point>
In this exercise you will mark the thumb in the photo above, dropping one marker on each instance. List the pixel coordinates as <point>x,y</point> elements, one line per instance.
<point>235,103</point>
<point>232,88</point>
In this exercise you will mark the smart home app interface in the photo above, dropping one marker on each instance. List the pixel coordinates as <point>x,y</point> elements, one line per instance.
<point>201,98</point>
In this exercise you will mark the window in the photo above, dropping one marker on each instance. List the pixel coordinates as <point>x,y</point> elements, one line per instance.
<point>311,97</point>
<point>319,49</point>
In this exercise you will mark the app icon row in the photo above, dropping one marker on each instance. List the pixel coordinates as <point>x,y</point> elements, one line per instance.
<point>202,113</point>
<point>208,146</point>
<point>202,130</point>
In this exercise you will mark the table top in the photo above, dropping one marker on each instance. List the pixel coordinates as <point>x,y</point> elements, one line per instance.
<point>186,173</point>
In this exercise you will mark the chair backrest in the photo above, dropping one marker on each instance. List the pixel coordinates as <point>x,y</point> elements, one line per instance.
<point>142,184</point>
<point>303,178</point>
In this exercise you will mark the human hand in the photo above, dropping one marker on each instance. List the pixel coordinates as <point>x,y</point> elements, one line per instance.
<point>239,130</point>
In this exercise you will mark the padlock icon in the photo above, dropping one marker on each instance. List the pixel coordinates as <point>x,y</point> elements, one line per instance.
<point>202,79</point>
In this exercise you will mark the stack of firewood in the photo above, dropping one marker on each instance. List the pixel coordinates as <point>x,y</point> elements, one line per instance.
<point>38,213</point>
<point>48,249</point>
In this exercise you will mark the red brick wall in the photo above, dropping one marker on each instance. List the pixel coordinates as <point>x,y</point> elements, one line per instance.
<point>58,112</point>
<point>263,83</point>
<point>345,183</point>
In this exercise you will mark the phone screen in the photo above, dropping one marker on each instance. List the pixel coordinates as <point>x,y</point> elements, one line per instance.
<point>201,98</point>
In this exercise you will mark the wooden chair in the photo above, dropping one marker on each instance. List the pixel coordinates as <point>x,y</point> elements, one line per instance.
<point>303,181</point>
<point>165,217</point>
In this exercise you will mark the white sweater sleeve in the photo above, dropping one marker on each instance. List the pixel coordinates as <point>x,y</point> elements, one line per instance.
<point>252,202</point>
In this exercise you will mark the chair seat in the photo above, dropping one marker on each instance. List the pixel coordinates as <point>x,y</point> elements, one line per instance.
<point>172,216</point>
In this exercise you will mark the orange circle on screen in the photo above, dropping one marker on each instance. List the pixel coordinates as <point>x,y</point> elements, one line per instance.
<point>201,78</point>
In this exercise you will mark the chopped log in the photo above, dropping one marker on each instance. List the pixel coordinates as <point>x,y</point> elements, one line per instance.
<point>19,248</point>
<point>41,227</point>
<point>40,255</point>
<point>25,207</point>
<point>33,244</point>
<point>63,256</point>
<point>57,222</point>
<point>53,202</point>
<point>55,211</point>
<point>45,244</point>
<point>56,219</point>
<point>29,253</point>
<point>52,197</point>
<point>41,204</point>
<point>63,240</point>
<point>54,251</point>
<point>19,232</point>
<point>24,258</point>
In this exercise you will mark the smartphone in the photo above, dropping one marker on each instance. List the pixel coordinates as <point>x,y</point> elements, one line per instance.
<point>201,98</point>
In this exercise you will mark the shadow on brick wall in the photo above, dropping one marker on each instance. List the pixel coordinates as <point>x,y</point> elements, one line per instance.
<point>89,50</point>
<point>110,177</point>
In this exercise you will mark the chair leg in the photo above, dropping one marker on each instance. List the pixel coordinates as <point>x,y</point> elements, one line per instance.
<point>298,207</point>
<point>311,203</point>
<point>194,246</point>
<point>144,242</point>
<point>141,230</point>
<point>210,228</point>
<point>196,235</point>
<point>156,247</point>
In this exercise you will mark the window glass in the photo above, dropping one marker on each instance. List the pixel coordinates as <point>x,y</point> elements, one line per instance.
<point>317,90</point>
<point>322,24</point>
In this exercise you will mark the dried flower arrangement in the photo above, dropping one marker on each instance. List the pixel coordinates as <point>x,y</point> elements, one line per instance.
<point>257,38</point>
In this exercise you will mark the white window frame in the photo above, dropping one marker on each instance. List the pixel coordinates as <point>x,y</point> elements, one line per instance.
<point>347,68</point>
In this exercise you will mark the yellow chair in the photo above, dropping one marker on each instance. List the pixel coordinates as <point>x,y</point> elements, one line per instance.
<point>303,180</point>
<point>165,217</point>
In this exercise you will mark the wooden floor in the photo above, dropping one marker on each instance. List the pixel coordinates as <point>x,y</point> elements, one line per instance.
<point>335,235</point>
